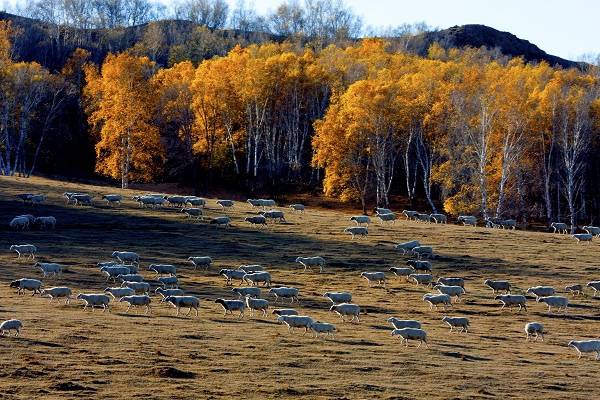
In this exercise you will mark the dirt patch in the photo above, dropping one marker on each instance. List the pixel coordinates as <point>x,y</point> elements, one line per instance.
<point>71,387</point>
<point>173,373</point>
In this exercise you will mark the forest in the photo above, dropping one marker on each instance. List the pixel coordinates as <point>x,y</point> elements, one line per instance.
<point>466,131</point>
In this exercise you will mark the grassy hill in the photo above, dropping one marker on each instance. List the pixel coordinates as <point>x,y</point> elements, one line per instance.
<point>67,353</point>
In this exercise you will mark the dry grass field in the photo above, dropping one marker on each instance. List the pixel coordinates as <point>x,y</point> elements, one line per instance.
<point>66,353</point>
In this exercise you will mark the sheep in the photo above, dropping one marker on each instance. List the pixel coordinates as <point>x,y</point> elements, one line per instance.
<point>23,284</point>
<point>439,218</point>
<point>458,322</point>
<point>195,201</point>
<point>508,224</point>
<point>274,214</point>
<point>380,210</point>
<point>360,220</point>
<point>95,300</point>
<point>539,291</point>
<point>204,262</point>
<point>511,300</point>
<point>37,199</point>
<point>284,293</point>
<point>246,291</point>
<point>178,201</point>
<point>112,199</point>
<point>135,301</point>
<point>338,297</point>
<point>24,249</point>
<point>251,268</point>
<point>423,251</point>
<point>257,304</point>
<point>184,301</point>
<point>112,272</point>
<point>151,201</point>
<point>419,265</point>
<point>163,269</point>
<point>595,285</point>
<point>254,202</point>
<point>402,272</point>
<point>168,282</point>
<point>221,221</point>
<point>139,287</point>
<point>19,222</point>
<point>403,323</point>
<point>101,264</point>
<point>586,346</point>
<point>357,231</point>
<point>168,292</point>
<point>309,262</point>
<point>49,268</point>
<point>225,203</point>
<point>575,289</point>
<point>555,301</point>
<point>81,199</point>
<point>296,321</point>
<point>229,306</point>
<point>424,279</point>
<point>193,213</point>
<point>57,292</point>
<point>29,217</point>
<point>299,208</point>
<point>435,299</point>
<point>410,214</point>
<point>387,217</point>
<point>560,227</point>
<point>492,223</point>
<point>378,277</point>
<point>119,291</point>
<point>452,291</point>
<point>11,325</point>
<point>255,278</point>
<point>256,220</point>
<point>284,312</point>
<point>407,247</point>
<point>130,278</point>
<point>582,237</point>
<point>25,197</point>
<point>497,285</point>
<point>46,222</point>
<point>423,217</point>
<point>322,327</point>
<point>264,203</point>
<point>411,334</point>
<point>126,256</point>
<point>534,328</point>
<point>592,230</point>
<point>347,309</point>
<point>231,274</point>
<point>452,282</point>
<point>468,220</point>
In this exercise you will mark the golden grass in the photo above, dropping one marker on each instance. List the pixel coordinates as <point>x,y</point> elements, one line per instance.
<point>67,353</point>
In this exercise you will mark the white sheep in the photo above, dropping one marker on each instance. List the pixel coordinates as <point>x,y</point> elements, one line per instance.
<point>322,327</point>
<point>136,301</point>
<point>468,220</point>
<point>163,269</point>
<point>82,198</point>
<point>274,214</point>
<point>150,201</point>
<point>402,272</point>
<point>595,285</point>
<point>347,309</point>
<point>457,322</point>
<point>168,282</point>
<point>95,300</point>
<point>410,214</point>
<point>254,202</point>
<point>221,221</point>
<point>24,284</point>
<point>130,278</point>
<point>435,299</point>
<point>423,251</point>
<point>592,230</point>
<point>419,265</point>
<point>296,321</point>
<point>535,329</point>
<point>46,222</point>
<point>195,201</point>
<point>246,291</point>
<point>586,346</point>
<point>49,268</point>
<point>37,199</point>
<point>452,281</point>
<point>118,292</point>
<point>377,277</point>
<point>256,220</point>
<point>555,301</point>
<point>284,311</point>
<point>196,213</point>
<point>251,268</point>
<point>139,287</point>
<point>423,217</point>
<point>497,285</point>
<point>20,222</point>
<point>381,210</point>
<point>231,274</point>
<point>361,220</point>
<point>168,292</point>
<point>540,291</point>
<point>232,305</point>
<point>11,325</point>
<point>582,237</point>
<point>439,218</point>
<point>257,304</point>
<point>411,334</point>
<point>178,302</point>
<point>339,297</point>
<point>388,217</point>
<point>309,262</point>
<point>299,208</point>
<point>112,199</point>
<point>560,227</point>
<point>284,293</point>
<point>362,231</point>
<point>113,271</point>
<point>25,197</point>
<point>452,291</point>
<point>57,292</point>
<point>24,249</point>
<point>202,262</point>
<point>255,278</point>
<point>404,323</point>
<point>513,300</point>
<point>225,203</point>
<point>421,279</point>
<point>175,201</point>
<point>126,256</point>
<point>575,289</point>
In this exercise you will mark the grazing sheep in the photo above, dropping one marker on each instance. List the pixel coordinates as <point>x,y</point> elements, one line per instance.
<point>130,278</point>
<point>175,201</point>
<point>20,222</point>
<point>24,249</point>
<point>255,278</point>
<point>29,217</point>
<point>195,201</point>
<point>592,230</point>
<point>435,299</point>
<point>404,323</point>
<point>346,309</point>
<point>81,199</point>
<point>267,203</point>
<point>296,321</point>
<point>407,247</point>
<point>37,199</point>
<point>24,284</point>
<point>126,256</point>
<point>423,217</point>
<point>11,325</point>
<point>457,322</point>
<point>257,304</point>
<point>421,279</point>
<point>95,300</point>
<point>540,291</point>
<point>168,292</point>
<point>595,285</point>
<point>49,268</point>
<point>284,312</point>
<point>439,218</point>
<point>512,300</point>
<point>322,327</point>
<point>339,297</point>
<point>497,285</point>
<point>423,251</point>
<point>184,301</point>
<point>560,227</point>
<point>112,199</point>
<point>468,220</point>
<point>582,237</point>
<point>555,301</point>
<point>575,289</point>
<point>586,346</point>
<point>113,271</point>
<point>534,328</point>
<point>380,210</point>
<point>452,291</point>
<point>118,292</point>
<point>232,305</point>
<point>357,231</point>
<point>360,220</point>
<point>309,262</point>
<point>251,268</point>
<point>139,287</point>
<point>410,214</point>
<point>254,202</point>
<point>299,208</point>
<point>411,334</point>
<point>57,292</point>
<point>136,301</point>
<point>150,201</point>
<point>193,213</point>
<point>419,265</point>
<point>388,217</point>
<point>284,293</point>
<point>25,197</point>
<point>203,262</point>
<point>508,224</point>
<point>246,291</point>
<point>168,282</point>
<point>221,221</point>
<point>452,281</point>
<point>231,274</point>
<point>402,272</point>
<point>378,277</point>
<point>225,204</point>
<point>46,222</point>
<point>274,214</point>
<point>163,269</point>
<point>257,220</point>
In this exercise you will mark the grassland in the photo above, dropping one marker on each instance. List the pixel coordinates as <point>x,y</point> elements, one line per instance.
<point>67,353</point>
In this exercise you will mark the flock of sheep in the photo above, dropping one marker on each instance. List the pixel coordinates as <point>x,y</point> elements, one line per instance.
<point>133,289</point>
